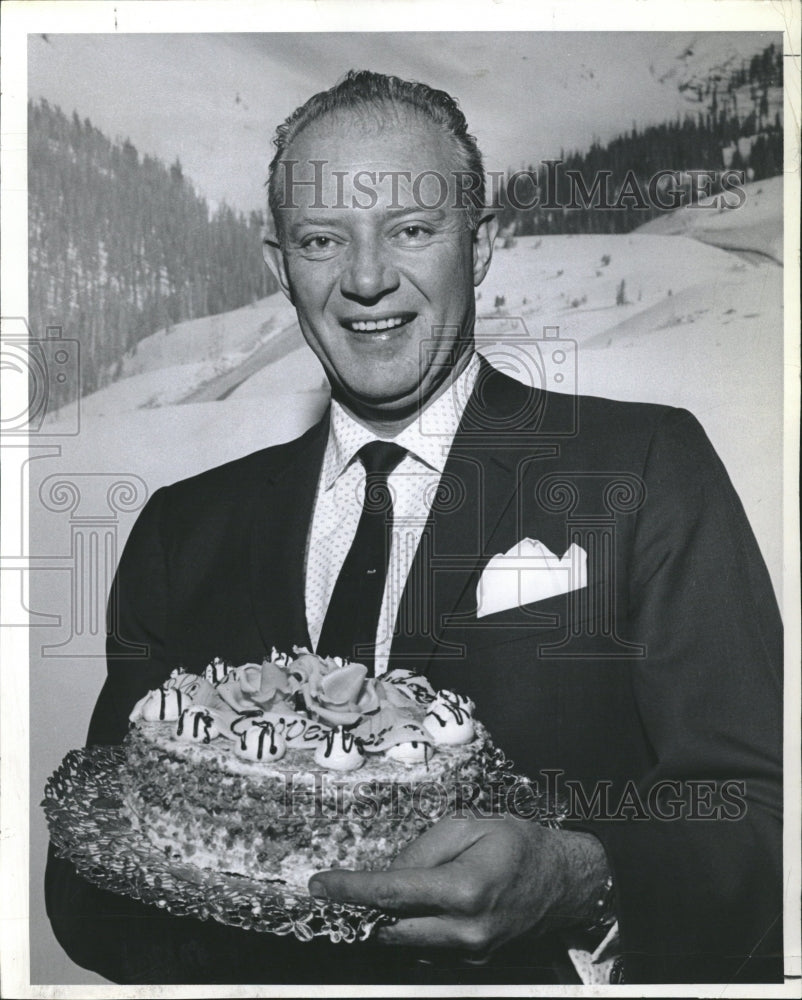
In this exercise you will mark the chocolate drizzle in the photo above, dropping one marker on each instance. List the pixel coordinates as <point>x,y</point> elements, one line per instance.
<point>434,715</point>
<point>452,704</point>
<point>199,718</point>
<point>163,692</point>
<point>415,685</point>
<point>205,720</point>
<point>218,670</point>
<point>244,717</point>
<point>395,713</point>
<point>292,729</point>
<point>454,717</point>
<point>266,729</point>
<point>348,742</point>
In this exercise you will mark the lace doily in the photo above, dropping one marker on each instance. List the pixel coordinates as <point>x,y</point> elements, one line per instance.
<point>88,827</point>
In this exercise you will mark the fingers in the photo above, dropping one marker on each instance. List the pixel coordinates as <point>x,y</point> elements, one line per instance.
<point>441,843</point>
<point>403,891</point>
<point>453,889</point>
<point>466,936</point>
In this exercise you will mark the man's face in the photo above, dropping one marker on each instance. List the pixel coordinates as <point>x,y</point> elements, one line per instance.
<point>378,258</point>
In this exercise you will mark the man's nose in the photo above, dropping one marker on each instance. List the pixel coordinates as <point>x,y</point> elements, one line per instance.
<point>369,274</point>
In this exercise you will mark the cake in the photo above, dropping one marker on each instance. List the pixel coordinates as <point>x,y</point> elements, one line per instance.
<point>298,764</point>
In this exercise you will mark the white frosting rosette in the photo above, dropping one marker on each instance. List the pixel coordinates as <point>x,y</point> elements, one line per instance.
<point>410,753</point>
<point>179,691</point>
<point>160,705</point>
<point>449,720</point>
<point>341,751</point>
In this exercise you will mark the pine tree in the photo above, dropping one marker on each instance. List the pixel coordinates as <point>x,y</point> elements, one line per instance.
<point>121,245</point>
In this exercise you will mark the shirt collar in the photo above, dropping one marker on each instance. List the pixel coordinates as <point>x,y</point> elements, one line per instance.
<point>428,438</point>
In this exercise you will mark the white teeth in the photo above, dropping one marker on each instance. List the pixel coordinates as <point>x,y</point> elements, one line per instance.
<point>371,325</point>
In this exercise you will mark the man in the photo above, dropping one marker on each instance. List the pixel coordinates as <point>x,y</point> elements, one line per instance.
<point>649,675</point>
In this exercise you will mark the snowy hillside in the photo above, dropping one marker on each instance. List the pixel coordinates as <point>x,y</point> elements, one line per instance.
<point>755,227</point>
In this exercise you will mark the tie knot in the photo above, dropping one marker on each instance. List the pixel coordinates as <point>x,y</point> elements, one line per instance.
<point>381,457</point>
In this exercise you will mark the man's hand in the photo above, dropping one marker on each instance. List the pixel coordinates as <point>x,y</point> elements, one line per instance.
<point>473,884</point>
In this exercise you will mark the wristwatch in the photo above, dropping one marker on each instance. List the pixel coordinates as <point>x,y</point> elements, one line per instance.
<point>604,912</point>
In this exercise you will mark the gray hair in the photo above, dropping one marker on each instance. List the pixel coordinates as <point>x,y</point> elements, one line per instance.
<point>366,91</point>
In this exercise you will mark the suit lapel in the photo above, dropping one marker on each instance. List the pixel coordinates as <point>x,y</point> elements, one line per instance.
<point>497,446</point>
<point>477,502</point>
<point>278,544</point>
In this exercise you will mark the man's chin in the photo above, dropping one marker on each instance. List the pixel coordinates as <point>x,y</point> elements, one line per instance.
<point>392,403</point>
<point>383,404</point>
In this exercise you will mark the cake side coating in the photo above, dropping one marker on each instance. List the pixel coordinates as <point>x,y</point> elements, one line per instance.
<point>203,804</point>
<point>281,769</point>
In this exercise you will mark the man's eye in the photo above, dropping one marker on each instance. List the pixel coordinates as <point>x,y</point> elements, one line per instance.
<point>415,233</point>
<point>317,243</point>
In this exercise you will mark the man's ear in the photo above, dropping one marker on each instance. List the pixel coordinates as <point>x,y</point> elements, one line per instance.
<point>274,258</point>
<point>483,239</point>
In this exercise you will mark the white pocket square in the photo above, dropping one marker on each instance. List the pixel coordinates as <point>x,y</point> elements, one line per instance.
<point>529,572</point>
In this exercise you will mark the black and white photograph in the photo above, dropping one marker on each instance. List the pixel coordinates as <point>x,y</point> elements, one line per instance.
<point>400,446</point>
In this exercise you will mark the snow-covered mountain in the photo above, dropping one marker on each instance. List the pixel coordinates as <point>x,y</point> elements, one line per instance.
<point>710,59</point>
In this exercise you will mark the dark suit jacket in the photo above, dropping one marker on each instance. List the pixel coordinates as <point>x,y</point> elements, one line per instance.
<point>653,696</point>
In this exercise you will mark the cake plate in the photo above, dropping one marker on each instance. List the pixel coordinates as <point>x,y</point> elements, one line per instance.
<point>88,826</point>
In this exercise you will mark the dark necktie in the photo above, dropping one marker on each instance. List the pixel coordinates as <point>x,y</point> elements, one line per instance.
<point>352,618</point>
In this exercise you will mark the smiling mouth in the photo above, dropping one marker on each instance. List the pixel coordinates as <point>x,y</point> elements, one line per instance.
<point>378,324</point>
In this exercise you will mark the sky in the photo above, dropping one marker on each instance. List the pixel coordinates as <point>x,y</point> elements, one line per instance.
<point>213,100</point>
